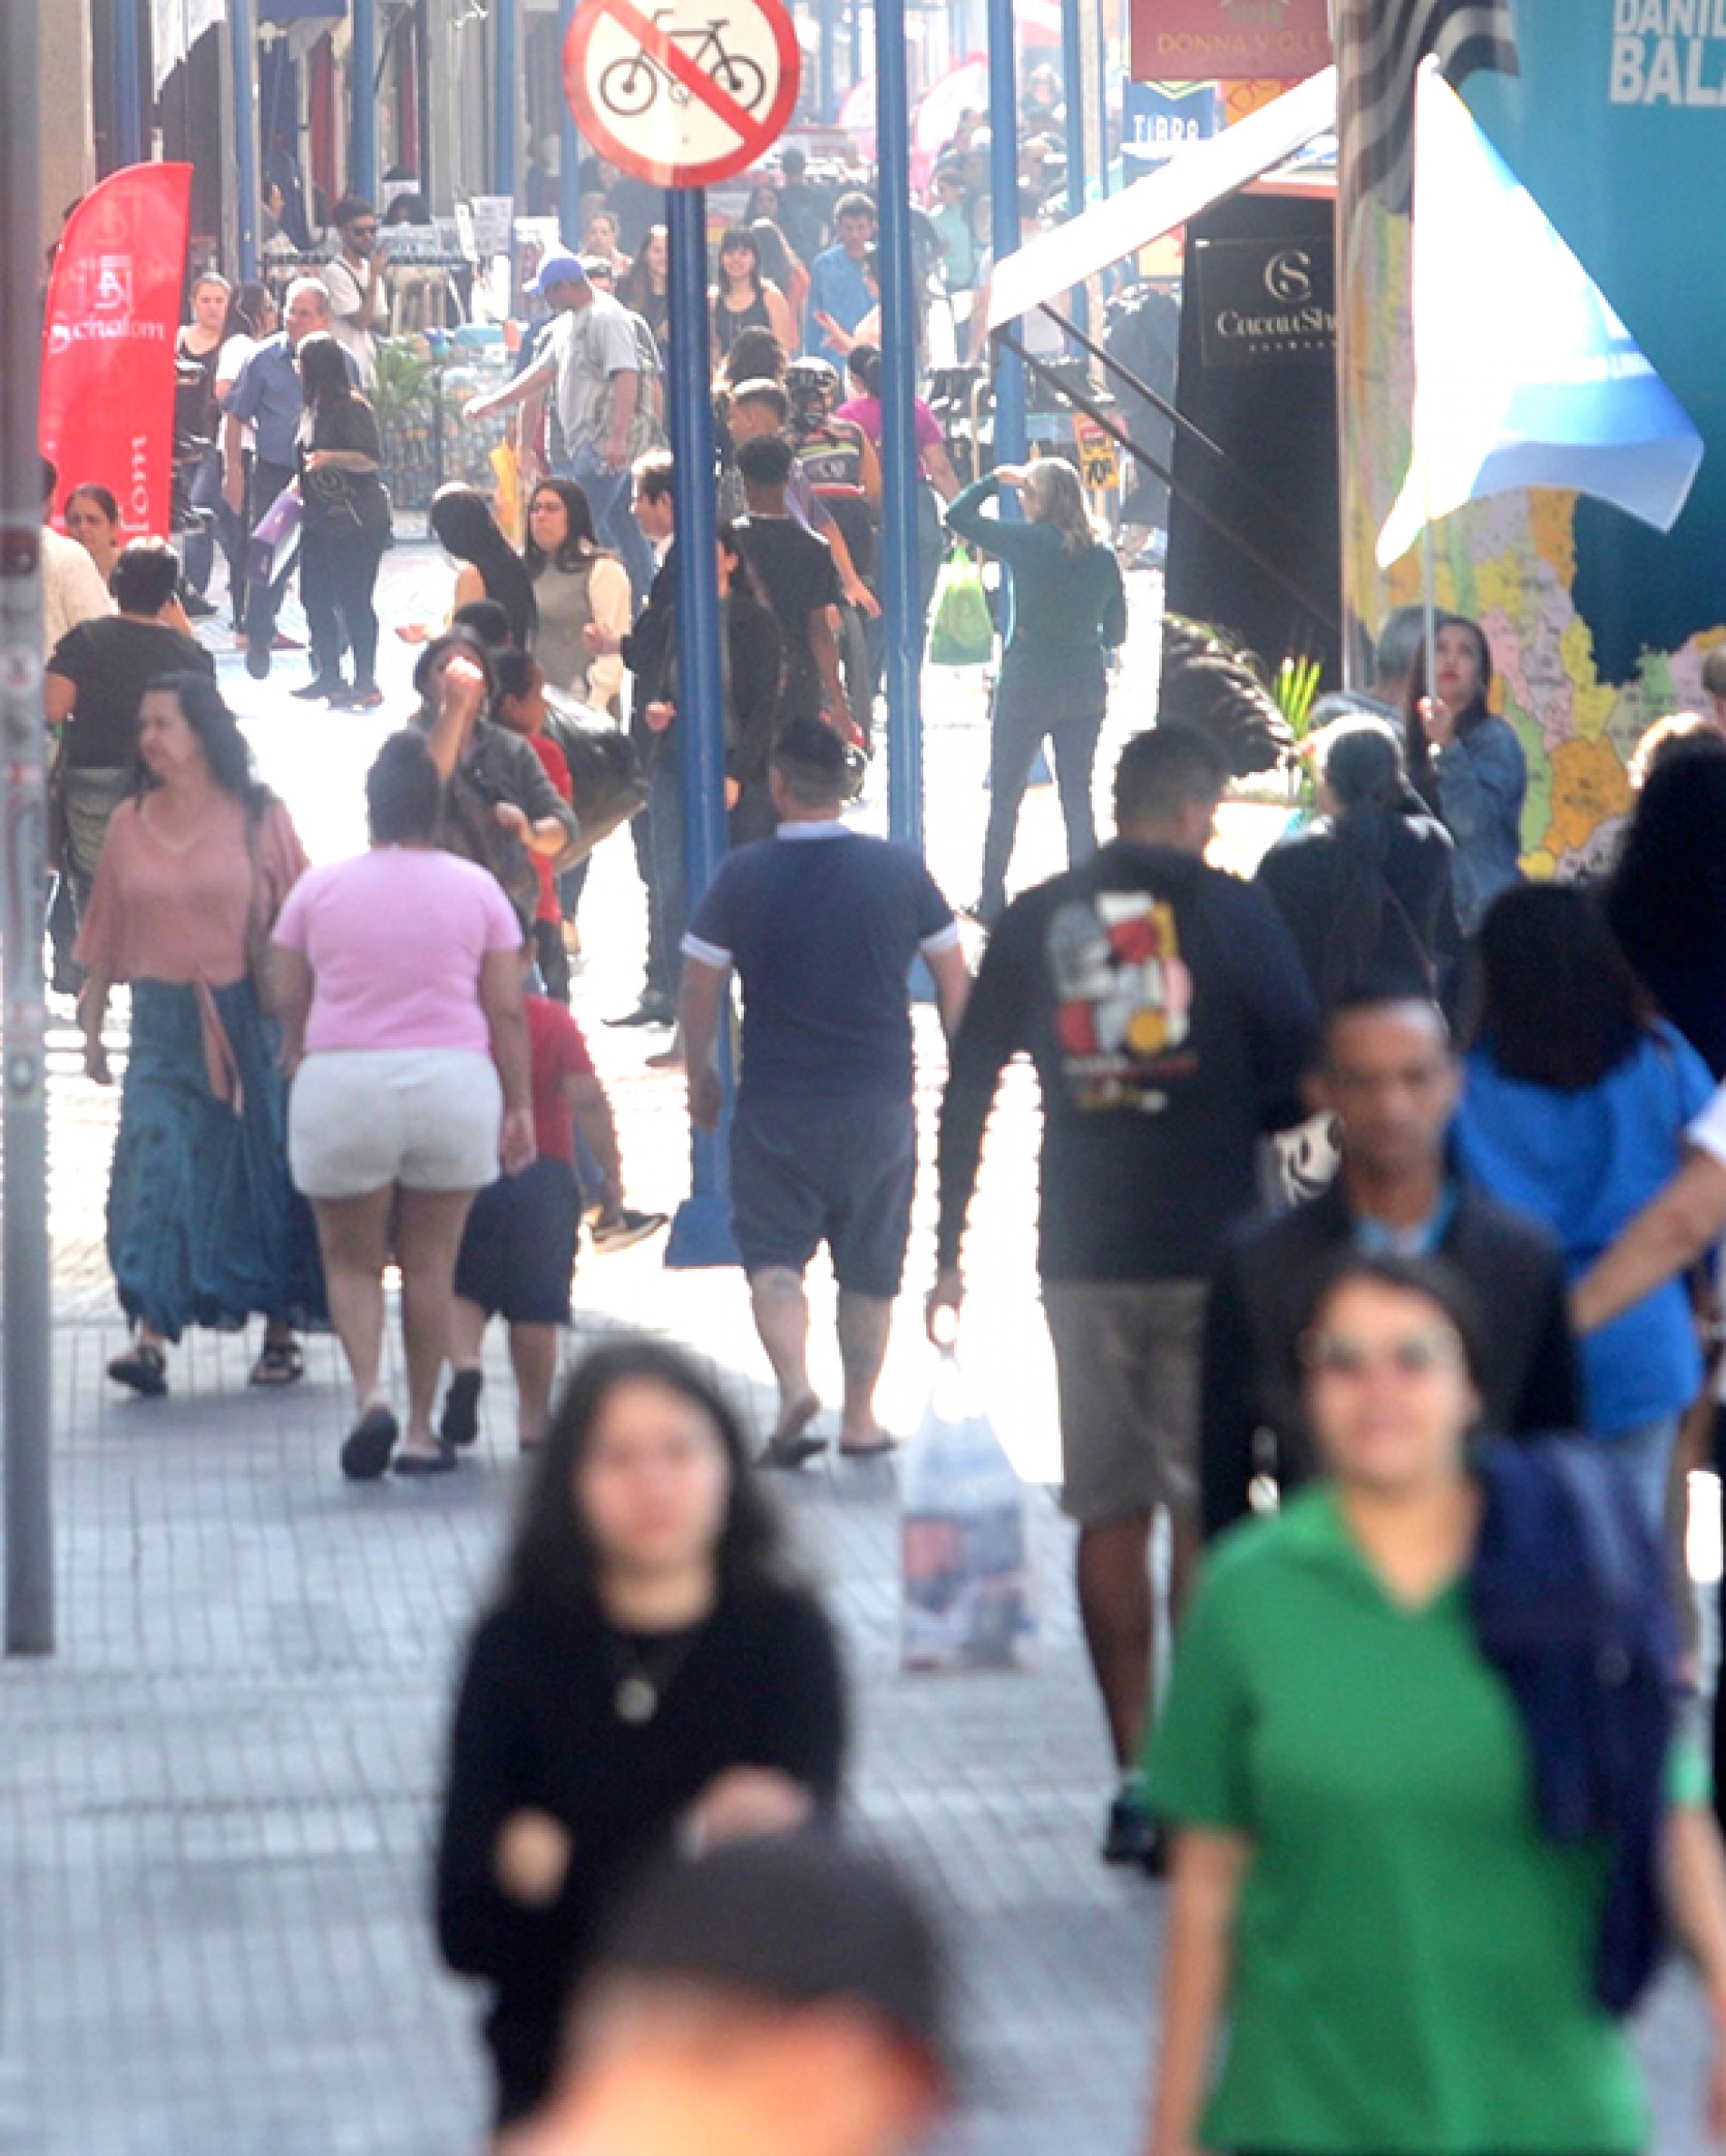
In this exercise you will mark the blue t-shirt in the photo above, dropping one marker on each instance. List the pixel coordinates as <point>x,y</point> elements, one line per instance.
<point>1586,1164</point>
<point>821,924</point>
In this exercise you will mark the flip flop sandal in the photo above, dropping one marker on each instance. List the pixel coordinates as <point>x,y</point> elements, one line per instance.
<point>441,1462</point>
<point>279,1363</point>
<point>143,1369</point>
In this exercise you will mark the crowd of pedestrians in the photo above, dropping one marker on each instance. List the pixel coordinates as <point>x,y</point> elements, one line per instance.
<point>1414,1438</point>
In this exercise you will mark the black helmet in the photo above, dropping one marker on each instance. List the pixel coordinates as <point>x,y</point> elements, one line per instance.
<point>813,386</point>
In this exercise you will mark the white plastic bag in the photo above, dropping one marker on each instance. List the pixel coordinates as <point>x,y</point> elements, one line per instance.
<point>967,1567</point>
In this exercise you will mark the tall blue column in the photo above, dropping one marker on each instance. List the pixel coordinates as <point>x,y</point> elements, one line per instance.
<point>701,1232</point>
<point>1003,187</point>
<point>362,102</point>
<point>242,61</point>
<point>1102,100</point>
<point>506,126</point>
<point>127,84</point>
<point>568,145</point>
<point>1073,71</point>
<point>826,61</point>
<point>901,592</point>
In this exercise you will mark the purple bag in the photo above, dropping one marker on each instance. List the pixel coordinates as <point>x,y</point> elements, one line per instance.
<point>275,540</point>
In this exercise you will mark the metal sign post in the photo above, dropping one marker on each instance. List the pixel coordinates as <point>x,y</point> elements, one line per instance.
<point>569,148</point>
<point>242,59</point>
<point>901,585</point>
<point>682,99</point>
<point>1003,229</point>
<point>507,100</point>
<point>24,1308</point>
<point>362,102</point>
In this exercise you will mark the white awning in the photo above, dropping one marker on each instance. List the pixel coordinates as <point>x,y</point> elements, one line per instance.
<point>1191,179</point>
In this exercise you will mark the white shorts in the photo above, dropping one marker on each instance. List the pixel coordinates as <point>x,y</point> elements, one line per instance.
<point>428,1118</point>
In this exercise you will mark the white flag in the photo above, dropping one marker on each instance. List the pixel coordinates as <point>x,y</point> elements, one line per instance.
<point>1524,375</point>
<point>176,25</point>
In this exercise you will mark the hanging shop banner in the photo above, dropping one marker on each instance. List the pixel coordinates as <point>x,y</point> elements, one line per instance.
<point>1186,40</point>
<point>108,341</point>
<point>1165,117</point>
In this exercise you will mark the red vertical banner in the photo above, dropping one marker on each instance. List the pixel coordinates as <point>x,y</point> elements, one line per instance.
<point>108,341</point>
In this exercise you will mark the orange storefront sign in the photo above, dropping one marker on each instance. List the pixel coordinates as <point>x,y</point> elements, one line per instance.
<point>1183,40</point>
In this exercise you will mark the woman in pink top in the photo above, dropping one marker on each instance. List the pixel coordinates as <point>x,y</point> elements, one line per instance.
<point>399,981</point>
<point>203,1226</point>
<point>862,408</point>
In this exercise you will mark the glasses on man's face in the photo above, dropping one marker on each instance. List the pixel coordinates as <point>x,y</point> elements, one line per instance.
<point>364,231</point>
<point>1415,1355</point>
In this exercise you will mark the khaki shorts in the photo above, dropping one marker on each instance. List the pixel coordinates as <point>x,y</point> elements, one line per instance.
<point>1127,1360</point>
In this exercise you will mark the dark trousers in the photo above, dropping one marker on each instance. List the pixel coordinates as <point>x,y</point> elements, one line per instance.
<point>337,575</point>
<point>1024,715</point>
<point>198,554</point>
<point>263,601</point>
<point>641,838</point>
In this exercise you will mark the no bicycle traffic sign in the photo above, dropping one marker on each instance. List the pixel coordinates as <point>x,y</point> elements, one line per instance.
<point>685,94</point>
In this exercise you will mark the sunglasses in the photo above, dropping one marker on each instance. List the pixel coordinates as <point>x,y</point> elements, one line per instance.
<point>364,231</point>
<point>1415,1355</point>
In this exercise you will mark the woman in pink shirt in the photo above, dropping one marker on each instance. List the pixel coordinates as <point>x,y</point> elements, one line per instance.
<point>203,1227</point>
<point>398,979</point>
<point>934,466</point>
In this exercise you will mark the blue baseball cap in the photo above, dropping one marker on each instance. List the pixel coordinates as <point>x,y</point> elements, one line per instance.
<point>557,268</point>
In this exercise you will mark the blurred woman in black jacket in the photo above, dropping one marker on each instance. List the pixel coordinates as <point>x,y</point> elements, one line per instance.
<point>649,1677</point>
<point>1366,889</point>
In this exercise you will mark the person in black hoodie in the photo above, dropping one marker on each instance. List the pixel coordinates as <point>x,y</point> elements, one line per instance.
<point>1170,1021</point>
<point>1365,888</point>
<point>1666,904</point>
<point>648,1677</point>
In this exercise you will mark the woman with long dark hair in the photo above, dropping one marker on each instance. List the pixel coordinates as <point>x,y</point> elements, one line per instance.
<point>1468,766</point>
<point>1365,888</point>
<point>345,528</point>
<point>203,1228</point>
<point>92,519</point>
<point>1069,617</point>
<point>1385,1929</point>
<point>779,263</point>
<point>646,287</point>
<point>1576,1109</point>
<point>649,1676</point>
<point>1667,899</point>
<point>577,586</point>
<point>461,523</point>
<point>742,297</point>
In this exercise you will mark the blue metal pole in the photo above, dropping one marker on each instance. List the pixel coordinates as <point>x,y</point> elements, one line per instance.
<point>701,1232</point>
<point>506,95</point>
<point>1102,100</point>
<point>242,61</point>
<point>129,84</point>
<point>569,146</point>
<point>901,593</point>
<point>1073,70</point>
<point>362,102</point>
<point>1003,187</point>
<point>827,61</point>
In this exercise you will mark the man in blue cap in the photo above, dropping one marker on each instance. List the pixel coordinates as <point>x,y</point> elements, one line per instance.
<point>592,365</point>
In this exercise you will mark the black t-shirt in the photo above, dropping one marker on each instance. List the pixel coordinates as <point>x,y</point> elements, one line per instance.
<point>1169,1018</point>
<point>537,1726</point>
<point>112,662</point>
<point>337,498</point>
<point>794,572</point>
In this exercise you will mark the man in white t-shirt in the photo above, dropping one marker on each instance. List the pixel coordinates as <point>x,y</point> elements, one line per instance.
<point>358,307</point>
<point>593,366</point>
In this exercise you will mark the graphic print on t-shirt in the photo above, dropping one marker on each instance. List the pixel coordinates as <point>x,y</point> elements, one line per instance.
<point>1123,999</point>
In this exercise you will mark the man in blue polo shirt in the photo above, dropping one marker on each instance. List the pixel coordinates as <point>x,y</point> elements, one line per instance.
<point>822,925</point>
<point>266,397</point>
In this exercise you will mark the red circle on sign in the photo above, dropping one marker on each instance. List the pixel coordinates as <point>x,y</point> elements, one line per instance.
<point>600,130</point>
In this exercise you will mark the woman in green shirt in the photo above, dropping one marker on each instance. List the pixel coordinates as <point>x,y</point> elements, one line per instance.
<point>1069,619</point>
<point>1360,1883</point>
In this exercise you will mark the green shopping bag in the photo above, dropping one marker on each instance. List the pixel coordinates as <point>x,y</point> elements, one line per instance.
<point>962,632</point>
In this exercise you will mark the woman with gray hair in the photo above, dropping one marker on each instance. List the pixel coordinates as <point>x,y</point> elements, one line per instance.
<point>1366,888</point>
<point>1069,618</point>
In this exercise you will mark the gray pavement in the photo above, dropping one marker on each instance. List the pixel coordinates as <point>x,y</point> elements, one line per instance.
<point>216,1802</point>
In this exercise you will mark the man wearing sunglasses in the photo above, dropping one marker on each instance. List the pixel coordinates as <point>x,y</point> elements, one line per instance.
<point>1391,1081</point>
<point>353,278</point>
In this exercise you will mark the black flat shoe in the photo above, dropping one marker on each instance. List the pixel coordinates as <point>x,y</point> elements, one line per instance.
<point>366,1454</point>
<point>320,692</point>
<point>441,1462</point>
<point>459,1424</point>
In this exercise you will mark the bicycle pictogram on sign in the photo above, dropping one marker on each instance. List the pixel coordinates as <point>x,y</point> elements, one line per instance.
<point>681,95</point>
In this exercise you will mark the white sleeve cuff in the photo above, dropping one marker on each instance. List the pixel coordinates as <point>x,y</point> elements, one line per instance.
<point>1708,1132</point>
<point>944,938</point>
<point>706,954</point>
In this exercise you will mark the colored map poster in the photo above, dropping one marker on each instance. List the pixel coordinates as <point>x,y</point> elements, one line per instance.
<point>1597,625</point>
